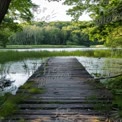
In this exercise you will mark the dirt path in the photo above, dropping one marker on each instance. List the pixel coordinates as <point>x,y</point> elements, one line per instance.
<point>70,95</point>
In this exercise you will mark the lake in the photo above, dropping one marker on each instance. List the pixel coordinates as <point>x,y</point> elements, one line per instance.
<point>20,71</point>
<point>54,49</point>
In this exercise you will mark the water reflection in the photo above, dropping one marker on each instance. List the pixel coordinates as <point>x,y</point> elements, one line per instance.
<point>102,67</point>
<point>54,49</point>
<point>19,72</point>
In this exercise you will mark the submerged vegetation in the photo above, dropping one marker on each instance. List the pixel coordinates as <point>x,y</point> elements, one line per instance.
<point>6,56</point>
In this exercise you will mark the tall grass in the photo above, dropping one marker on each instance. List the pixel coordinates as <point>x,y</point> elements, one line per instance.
<point>6,56</point>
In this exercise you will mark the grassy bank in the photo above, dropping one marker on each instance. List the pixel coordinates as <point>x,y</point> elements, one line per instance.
<point>8,102</point>
<point>115,85</point>
<point>15,55</point>
<point>41,46</point>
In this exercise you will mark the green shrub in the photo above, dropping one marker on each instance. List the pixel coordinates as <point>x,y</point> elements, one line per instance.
<point>115,85</point>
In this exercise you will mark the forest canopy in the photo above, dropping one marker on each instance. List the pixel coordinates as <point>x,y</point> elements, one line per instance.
<point>12,11</point>
<point>53,33</point>
<point>106,25</point>
<point>107,19</point>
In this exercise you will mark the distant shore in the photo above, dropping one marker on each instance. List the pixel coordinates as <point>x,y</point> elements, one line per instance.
<point>48,46</point>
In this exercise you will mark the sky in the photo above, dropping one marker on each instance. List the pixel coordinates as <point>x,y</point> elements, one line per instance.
<point>53,11</point>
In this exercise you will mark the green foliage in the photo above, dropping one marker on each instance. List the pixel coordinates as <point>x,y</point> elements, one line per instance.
<point>15,55</point>
<point>28,85</point>
<point>36,90</point>
<point>107,19</point>
<point>115,85</point>
<point>9,106</point>
<point>4,34</point>
<point>21,120</point>
<point>55,33</point>
<point>100,106</point>
<point>102,53</point>
<point>8,103</point>
<point>19,10</point>
<point>8,27</point>
<point>97,8</point>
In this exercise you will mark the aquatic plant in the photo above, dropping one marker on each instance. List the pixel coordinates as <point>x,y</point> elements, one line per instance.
<point>6,56</point>
<point>115,85</point>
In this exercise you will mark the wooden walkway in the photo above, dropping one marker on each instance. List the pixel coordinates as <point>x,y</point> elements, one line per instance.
<point>70,95</point>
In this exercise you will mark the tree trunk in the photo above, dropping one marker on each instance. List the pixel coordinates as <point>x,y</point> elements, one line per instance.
<point>4,5</point>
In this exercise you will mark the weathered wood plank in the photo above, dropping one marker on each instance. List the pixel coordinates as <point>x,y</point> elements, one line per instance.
<point>53,112</point>
<point>53,118</point>
<point>56,106</point>
<point>63,101</point>
<point>68,94</point>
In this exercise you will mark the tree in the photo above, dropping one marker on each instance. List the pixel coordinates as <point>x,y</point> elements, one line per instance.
<point>20,9</point>
<point>7,28</point>
<point>96,8</point>
<point>56,33</point>
<point>106,15</point>
<point>16,9</point>
<point>4,5</point>
<point>4,34</point>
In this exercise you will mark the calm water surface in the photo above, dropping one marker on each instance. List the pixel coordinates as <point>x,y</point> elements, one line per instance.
<point>54,49</point>
<point>20,71</point>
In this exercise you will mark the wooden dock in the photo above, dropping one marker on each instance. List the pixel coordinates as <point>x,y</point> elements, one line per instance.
<point>70,95</point>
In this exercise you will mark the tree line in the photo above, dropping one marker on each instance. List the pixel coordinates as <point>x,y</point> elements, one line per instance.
<point>106,24</point>
<point>53,33</point>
